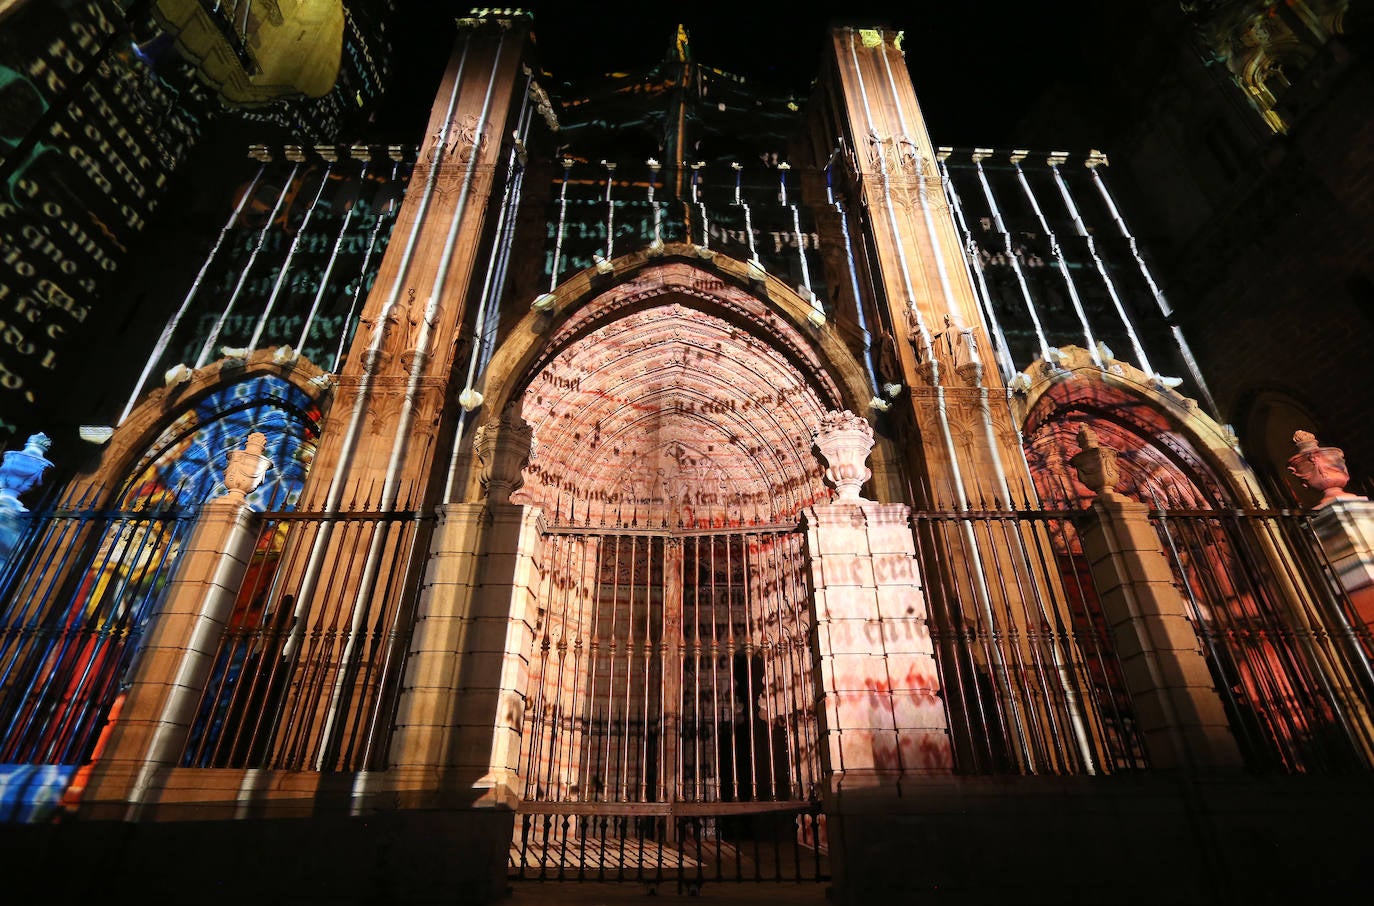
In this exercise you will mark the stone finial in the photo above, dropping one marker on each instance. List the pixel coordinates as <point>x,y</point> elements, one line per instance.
<point>246,469</point>
<point>1096,464</point>
<point>845,440</point>
<point>503,445</point>
<point>22,470</point>
<point>1321,469</point>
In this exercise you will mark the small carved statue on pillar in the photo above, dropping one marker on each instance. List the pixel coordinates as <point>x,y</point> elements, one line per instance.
<point>246,469</point>
<point>845,440</point>
<point>22,470</point>
<point>1097,466</point>
<point>1321,469</point>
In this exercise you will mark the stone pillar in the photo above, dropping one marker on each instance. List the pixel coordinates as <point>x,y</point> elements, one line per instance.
<point>1176,704</point>
<point>918,266</point>
<point>880,719</point>
<point>176,660</point>
<point>462,711</point>
<point>1344,522</point>
<point>463,706</point>
<point>881,715</point>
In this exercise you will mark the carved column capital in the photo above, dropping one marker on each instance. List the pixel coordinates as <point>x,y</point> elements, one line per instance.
<point>504,445</point>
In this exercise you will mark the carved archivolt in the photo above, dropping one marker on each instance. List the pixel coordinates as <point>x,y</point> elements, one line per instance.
<point>162,405</point>
<point>670,415</point>
<point>682,394</point>
<point>1168,449</point>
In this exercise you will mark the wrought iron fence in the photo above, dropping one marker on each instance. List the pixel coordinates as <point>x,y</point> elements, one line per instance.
<point>672,668</point>
<point>307,671</point>
<point>77,592</point>
<point>670,732</point>
<point>1029,671</point>
<point>1289,655</point>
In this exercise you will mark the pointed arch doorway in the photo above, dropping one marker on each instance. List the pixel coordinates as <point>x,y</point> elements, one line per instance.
<point>670,724</point>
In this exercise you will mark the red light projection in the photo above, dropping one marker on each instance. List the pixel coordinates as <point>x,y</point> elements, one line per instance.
<point>1224,560</point>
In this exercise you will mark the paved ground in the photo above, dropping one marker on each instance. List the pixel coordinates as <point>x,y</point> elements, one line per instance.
<point>720,894</point>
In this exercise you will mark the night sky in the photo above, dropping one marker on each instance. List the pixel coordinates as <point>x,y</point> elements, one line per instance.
<point>977,64</point>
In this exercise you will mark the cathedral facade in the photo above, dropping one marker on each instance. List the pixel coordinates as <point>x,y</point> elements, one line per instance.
<point>717,487</point>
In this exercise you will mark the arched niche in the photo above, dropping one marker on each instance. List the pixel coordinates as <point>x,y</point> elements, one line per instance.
<point>1168,449</point>
<point>94,571</point>
<point>1228,559</point>
<point>1267,420</point>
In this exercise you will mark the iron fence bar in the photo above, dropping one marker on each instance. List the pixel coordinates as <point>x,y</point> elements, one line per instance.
<point>1200,622</point>
<point>58,636</point>
<point>611,662</point>
<point>75,636</point>
<point>1291,679</point>
<point>753,612</point>
<point>392,667</point>
<point>1163,521</point>
<point>1286,677</point>
<point>534,769</point>
<point>366,692</point>
<point>1065,692</point>
<point>554,772</point>
<point>950,642</point>
<point>695,573</point>
<point>985,631</point>
<point>715,666</point>
<point>1352,631</point>
<point>285,629</point>
<point>593,647</point>
<point>1095,642</point>
<point>629,670</point>
<point>1032,733</point>
<point>792,702</point>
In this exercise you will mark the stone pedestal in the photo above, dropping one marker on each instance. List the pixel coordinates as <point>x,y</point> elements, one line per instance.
<point>1180,714</point>
<point>881,722</point>
<point>881,715</point>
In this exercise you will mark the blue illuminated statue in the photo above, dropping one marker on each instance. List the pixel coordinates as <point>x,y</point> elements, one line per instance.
<point>22,470</point>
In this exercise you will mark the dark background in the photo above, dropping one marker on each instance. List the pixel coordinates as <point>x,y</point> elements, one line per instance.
<point>978,65</point>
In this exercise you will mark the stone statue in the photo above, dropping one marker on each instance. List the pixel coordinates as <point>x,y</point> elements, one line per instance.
<point>22,470</point>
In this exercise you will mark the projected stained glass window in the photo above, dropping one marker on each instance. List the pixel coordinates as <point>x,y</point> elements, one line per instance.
<point>81,593</point>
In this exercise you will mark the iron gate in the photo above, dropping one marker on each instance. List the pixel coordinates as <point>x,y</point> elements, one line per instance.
<point>670,728</point>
